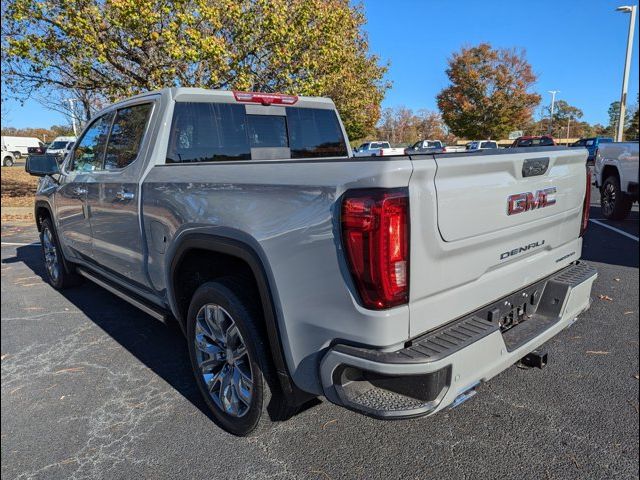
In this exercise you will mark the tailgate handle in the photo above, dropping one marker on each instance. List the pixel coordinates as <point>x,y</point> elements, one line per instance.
<point>533,167</point>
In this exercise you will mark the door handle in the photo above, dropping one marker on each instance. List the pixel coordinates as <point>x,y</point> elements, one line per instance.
<point>123,195</point>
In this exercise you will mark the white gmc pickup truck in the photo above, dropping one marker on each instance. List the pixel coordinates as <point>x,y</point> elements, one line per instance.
<point>392,286</point>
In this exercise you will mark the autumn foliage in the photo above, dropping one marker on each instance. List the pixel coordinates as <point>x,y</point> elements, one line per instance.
<point>489,93</point>
<point>117,48</point>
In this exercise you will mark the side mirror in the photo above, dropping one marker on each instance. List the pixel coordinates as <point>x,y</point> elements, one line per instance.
<point>42,165</point>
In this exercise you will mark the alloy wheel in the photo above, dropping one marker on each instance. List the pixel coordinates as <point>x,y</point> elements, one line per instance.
<point>223,361</point>
<point>50,255</point>
<point>608,199</point>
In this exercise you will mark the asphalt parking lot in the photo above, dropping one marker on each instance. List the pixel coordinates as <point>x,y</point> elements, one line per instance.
<point>91,387</point>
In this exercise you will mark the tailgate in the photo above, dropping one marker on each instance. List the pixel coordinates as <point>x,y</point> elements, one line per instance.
<point>468,248</point>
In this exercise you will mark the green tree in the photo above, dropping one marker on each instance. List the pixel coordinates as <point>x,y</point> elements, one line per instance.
<point>632,131</point>
<point>614,117</point>
<point>107,50</point>
<point>489,93</point>
<point>564,118</point>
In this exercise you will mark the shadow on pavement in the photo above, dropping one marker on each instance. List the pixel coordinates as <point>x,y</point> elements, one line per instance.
<point>605,246</point>
<point>160,347</point>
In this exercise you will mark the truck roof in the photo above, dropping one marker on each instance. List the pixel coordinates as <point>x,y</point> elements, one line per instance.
<point>186,94</point>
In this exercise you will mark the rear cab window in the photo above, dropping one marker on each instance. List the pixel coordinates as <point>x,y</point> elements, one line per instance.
<point>210,132</point>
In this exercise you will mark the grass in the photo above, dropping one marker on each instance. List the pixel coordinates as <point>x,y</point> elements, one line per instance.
<point>17,189</point>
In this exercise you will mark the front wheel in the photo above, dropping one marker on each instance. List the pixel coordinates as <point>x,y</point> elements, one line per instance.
<point>57,275</point>
<point>614,203</point>
<point>7,161</point>
<point>230,359</point>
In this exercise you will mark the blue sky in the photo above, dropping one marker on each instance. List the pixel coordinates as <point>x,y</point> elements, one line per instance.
<point>576,47</point>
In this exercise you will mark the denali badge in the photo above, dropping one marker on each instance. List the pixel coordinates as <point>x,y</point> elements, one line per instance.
<point>524,248</point>
<point>523,202</point>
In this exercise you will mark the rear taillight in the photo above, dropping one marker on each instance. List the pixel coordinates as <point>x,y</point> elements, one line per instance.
<point>587,203</point>
<point>375,238</point>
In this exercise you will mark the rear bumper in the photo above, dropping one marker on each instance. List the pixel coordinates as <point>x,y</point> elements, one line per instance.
<point>437,368</point>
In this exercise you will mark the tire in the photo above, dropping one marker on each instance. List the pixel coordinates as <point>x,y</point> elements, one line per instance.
<point>59,273</point>
<point>7,161</point>
<point>240,389</point>
<point>614,203</point>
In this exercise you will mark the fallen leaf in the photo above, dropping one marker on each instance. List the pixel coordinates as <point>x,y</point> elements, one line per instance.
<point>69,370</point>
<point>628,313</point>
<point>605,297</point>
<point>4,355</point>
<point>616,279</point>
<point>62,397</point>
<point>329,423</point>
<point>636,376</point>
<point>597,352</point>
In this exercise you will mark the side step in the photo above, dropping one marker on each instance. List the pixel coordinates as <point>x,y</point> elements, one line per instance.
<point>148,308</point>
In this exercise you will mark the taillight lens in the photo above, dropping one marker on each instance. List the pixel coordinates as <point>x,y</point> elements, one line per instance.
<point>587,203</point>
<point>375,237</point>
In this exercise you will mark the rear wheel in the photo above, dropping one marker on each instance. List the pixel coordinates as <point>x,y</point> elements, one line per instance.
<point>614,203</point>
<point>230,358</point>
<point>57,274</point>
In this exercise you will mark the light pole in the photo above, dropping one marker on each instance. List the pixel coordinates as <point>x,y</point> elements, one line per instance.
<point>73,116</point>
<point>553,102</point>
<point>627,65</point>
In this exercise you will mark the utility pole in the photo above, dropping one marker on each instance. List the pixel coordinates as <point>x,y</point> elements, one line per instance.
<point>553,102</point>
<point>73,116</point>
<point>627,65</point>
<point>568,126</point>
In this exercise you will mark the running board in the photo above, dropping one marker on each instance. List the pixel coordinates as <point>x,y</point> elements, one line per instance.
<point>146,307</point>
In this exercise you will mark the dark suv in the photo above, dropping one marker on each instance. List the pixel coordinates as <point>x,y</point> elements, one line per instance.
<point>542,141</point>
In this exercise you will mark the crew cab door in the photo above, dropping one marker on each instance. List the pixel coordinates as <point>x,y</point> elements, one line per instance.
<point>114,197</point>
<point>74,227</point>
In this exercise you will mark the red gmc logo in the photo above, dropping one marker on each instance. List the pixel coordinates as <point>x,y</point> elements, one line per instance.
<point>523,202</point>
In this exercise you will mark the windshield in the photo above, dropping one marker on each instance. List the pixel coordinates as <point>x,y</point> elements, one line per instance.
<point>59,145</point>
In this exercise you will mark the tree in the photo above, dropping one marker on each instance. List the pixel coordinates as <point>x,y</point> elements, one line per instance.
<point>104,51</point>
<point>633,131</point>
<point>489,92</point>
<point>402,125</point>
<point>614,117</point>
<point>564,118</point>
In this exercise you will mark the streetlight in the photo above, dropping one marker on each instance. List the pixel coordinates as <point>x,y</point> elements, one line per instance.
<point>553,102</point>
<point>73,116</point>
<point>627,65</point>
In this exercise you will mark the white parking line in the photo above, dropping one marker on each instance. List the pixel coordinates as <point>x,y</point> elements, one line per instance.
<point>16,244</point>
<point>617,230</point>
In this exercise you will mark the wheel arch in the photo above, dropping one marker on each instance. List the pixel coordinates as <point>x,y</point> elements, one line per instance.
<point>239,245</point>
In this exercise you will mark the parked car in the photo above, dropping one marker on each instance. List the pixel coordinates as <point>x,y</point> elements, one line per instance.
<point>376,149</point>
<point>393,288</point>
<point>61,146</point>
<point>616,175</point>
<point>481,145</point>
<point>453,148</point>
<point>8,159</point>
<point>529,141</point>
<point>39,150</point>
<point>425,146</point>
<point>591,144</point>
<point>19,146</point>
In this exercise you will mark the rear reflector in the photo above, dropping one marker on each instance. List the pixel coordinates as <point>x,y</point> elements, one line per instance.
<point>265,98</point>
<point>586,205</point>
<point>375,237</point>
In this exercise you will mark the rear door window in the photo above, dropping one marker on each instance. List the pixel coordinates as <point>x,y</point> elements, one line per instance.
<point>126,135</point>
